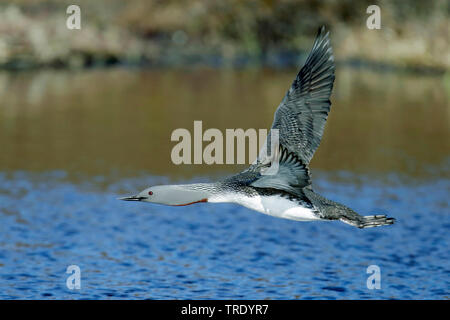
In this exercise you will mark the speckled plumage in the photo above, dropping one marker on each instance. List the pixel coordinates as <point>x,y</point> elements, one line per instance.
<point>287,193</point>
<point>300,120</point>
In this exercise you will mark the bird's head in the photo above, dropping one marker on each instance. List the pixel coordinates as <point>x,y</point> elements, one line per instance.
<point>155,194</point>
<point>174,195</point>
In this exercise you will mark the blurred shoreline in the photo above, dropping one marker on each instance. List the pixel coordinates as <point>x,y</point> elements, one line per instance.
<point>233,34</point>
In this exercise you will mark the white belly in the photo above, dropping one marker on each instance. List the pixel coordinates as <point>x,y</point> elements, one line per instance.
<point>272,205</point>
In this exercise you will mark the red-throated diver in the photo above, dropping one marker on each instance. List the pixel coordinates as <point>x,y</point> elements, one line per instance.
<point>299,121</point>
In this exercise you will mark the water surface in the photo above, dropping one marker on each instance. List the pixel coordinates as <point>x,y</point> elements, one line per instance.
<point>72,142</point>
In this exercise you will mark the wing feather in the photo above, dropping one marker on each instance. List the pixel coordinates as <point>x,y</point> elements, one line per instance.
<point>301,116</point>
<point>300,120</point>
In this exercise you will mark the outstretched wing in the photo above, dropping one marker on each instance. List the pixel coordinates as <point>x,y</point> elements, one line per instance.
<point>301,116</point>
<point>300,121</point>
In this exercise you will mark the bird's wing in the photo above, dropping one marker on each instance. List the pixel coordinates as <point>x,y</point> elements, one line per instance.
<point>300,120</point>
<point>301,116</point>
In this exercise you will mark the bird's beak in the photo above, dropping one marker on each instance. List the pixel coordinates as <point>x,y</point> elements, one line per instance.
<point>132,198</point>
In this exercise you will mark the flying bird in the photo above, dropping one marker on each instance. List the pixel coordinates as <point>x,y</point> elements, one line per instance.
<point>299,122</point>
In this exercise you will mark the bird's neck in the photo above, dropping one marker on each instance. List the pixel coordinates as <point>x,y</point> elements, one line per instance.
<point>186,194</point>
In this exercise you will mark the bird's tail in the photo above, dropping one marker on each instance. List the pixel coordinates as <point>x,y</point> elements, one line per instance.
<point>368,221</point>
<point>333,211</point>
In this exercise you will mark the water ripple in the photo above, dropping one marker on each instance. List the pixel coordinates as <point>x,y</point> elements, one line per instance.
<point>206,251</point>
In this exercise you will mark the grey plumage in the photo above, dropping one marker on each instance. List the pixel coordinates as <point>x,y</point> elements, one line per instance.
<point>300,120</point>
<point>285,192</point>
<point>301,116</point>
<point>331,210</point>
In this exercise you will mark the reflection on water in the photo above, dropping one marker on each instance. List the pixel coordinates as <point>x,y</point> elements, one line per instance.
<point>120,121</point>
<point>70,143</point>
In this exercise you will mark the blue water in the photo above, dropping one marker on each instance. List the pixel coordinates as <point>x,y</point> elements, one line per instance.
<point>217,251</point>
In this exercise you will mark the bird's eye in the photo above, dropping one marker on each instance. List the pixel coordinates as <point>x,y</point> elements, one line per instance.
<point>150,192</point>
